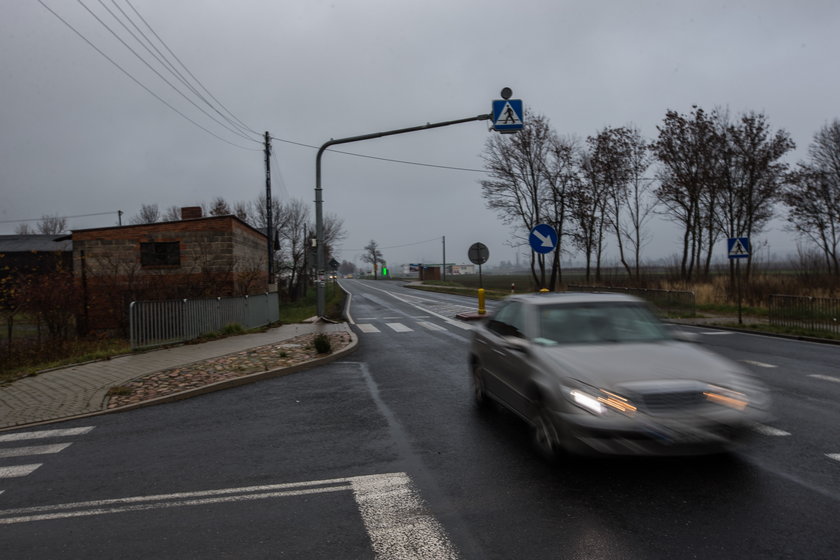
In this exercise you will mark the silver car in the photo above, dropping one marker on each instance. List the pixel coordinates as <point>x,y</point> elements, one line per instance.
<point>601,373</point>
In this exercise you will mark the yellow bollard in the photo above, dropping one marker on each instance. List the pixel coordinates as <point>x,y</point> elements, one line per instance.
<point>481,310</point>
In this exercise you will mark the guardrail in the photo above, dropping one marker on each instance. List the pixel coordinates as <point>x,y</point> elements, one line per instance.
<point>812,313</point>
<point>156,323</point>
<point>671,302</point>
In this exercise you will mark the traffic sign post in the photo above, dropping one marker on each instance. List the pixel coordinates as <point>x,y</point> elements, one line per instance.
<point>738,248</point>
<point>478,254</point>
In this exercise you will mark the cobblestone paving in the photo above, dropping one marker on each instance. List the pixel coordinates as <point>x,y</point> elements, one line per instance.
<point>292,352</point>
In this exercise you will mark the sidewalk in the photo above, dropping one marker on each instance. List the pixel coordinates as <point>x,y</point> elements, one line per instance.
<point>81,390</point>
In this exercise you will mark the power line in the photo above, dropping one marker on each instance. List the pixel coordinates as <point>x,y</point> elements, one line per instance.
<point>150,67</point>
<point>187,70</point>
<point>138,82</point>
<point>59,217</point>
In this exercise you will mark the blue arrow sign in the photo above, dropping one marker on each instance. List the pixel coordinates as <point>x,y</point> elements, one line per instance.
<point>738,247</point>
<point>543,238</point>
<point>507,115</point>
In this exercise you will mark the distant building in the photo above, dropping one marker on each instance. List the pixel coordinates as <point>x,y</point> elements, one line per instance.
<point>31,255</point>
<point>190,258</point>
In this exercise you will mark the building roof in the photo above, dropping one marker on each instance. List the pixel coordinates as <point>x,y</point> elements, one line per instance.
<point>37,243</point>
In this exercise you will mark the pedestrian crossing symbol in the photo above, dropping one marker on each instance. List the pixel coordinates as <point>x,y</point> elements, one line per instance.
<point>507,115</point>
<point>738,247</point>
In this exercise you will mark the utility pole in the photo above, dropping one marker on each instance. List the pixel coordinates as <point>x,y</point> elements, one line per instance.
<point>269,227</point>
<point>444,258</point>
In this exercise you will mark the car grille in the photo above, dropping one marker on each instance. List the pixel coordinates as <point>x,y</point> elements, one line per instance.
<point>662,402</point>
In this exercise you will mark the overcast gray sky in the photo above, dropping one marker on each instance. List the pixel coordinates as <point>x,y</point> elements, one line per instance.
<point>78,136</point>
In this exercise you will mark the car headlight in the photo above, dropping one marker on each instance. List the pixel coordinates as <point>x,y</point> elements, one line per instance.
<point>726,397</point>
<point>600,401</point>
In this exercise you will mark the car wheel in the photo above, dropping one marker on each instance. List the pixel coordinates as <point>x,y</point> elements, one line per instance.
<point>546,436</point>
<point>482,401</point>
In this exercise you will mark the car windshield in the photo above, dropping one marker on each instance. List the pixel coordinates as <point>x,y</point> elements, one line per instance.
<point>598,323</point>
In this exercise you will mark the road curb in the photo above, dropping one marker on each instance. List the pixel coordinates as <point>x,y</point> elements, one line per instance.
<point>213,387</point>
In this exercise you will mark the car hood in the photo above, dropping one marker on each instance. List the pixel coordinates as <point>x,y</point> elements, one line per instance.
<point>612,366</point>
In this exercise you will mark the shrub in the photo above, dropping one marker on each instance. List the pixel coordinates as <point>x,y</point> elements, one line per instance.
<point>322,344</point>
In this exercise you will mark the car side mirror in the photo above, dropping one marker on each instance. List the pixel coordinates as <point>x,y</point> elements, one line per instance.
<point>517,343</point>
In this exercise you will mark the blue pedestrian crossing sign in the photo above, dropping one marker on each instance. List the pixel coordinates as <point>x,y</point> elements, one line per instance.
<point>738,247</point>
<point>543,238</point>
<point>507,115</point>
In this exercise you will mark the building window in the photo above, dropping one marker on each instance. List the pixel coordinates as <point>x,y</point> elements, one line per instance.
<point>167,253</point>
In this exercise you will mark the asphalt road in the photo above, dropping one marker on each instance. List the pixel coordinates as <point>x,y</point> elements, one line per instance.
<point>384,456</point>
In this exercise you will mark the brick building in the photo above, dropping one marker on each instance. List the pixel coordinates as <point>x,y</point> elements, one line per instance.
<point>194,257</point>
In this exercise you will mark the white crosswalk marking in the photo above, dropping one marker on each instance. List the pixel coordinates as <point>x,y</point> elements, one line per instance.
<point>835,456</point>
<point>33,450</point>
<point>430,326</point>
<point>43,434</point>
<point>399,327</point>
<point>18,471</point>
<point>366,328</point>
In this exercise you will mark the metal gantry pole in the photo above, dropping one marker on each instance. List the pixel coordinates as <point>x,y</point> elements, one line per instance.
<point>319,217</point>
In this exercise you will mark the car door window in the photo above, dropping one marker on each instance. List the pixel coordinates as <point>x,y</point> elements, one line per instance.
<point>508,320</point>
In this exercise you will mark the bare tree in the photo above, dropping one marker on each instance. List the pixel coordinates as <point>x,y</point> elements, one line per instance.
<point>518,181</point>
<point>563,182</point>
<point>812,195</point>
<point>372,256</point>
<point>640,205</point>
<point>172,214</point>
<point>52,225</point>
<point>24,229</point>
<point>751,175</point>
<point>149,214</point>
<point>219,207</point>
<point>688,149</point>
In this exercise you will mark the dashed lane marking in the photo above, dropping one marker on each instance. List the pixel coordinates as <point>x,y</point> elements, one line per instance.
<point>758,364</point>
<point>835,456</point>
<point>394,514</point>
<point>43,434</point>
<point>399,327</point>
<point>769,430</point>
<point>18,470</point>
<point>33,450</point>
<point>824,377</point>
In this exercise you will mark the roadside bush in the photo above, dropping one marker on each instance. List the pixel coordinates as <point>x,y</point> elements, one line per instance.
<point>322,344</point>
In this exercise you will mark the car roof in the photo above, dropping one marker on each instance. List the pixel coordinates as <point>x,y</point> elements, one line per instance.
<point>550,298</point>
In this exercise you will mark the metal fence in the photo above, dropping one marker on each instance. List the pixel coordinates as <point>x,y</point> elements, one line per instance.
<point>671,302</point>
<point>155,323</point>
<point>818,314</point>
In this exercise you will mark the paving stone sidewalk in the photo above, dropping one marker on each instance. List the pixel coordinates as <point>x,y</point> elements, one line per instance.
<point>82,389</point>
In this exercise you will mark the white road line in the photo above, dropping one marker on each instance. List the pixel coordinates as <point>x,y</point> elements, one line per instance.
<point>45,434</point>
<point>758,364</point>
<point>835,456</point>
<point>18,471</point>
<point>824,377</point>
<point>460,324</point>
<point>430,326</point>
<point>366,328</point>
<point>716,333</point>
<point>33,450</point>
<point>397,521</point>
<point>769,430</point>
<point>395,516</point>
<point>399,327</point>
